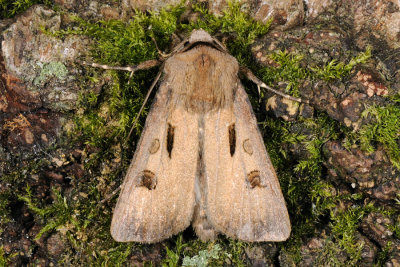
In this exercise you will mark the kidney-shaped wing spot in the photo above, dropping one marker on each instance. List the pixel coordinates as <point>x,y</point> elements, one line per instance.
<point>157,197</point>
<point>148,179</point>
<point>244,199</point>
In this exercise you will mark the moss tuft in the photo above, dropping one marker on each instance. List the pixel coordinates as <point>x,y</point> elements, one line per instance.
<point>337,70</point>
<point>11,8</point>
<point>384,128</point>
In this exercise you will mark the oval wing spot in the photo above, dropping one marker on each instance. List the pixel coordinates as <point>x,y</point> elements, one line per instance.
<point>148,179</point>
<point>155,145</point>
<point>247,147</point>
<point>254,179</point>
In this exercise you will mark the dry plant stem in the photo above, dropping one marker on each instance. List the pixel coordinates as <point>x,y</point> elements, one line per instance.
<point>259,84</point>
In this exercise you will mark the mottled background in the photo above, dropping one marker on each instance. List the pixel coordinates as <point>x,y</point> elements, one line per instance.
<point>63,127</point>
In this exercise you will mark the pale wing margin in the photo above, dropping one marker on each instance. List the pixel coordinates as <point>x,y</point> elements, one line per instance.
<point>233,206</point>
<point>150,215</point>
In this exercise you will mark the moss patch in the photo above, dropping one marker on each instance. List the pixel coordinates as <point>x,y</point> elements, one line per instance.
<point>384,128</point>
<point>11,8</point>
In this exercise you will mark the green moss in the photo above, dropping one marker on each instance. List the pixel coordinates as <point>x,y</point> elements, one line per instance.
<point>11,8</point>
<point>5,259</point>
<point>383,255</point>
<point>198,253</point>
<point>4,208</point>
<point>14,182</point>
<point>337,70</point>
<point>173,256</point>
<point>309,197</point>
<point>288,70</point>
<point>344,226</point>
<point>235,22</point>
<point>384,128</point>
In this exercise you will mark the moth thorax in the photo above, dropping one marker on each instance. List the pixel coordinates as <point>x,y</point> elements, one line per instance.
<point>202,78</point>
<point>207,90</point>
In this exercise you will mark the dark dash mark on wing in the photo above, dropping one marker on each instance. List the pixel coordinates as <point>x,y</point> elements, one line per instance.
<point>170,139</point>
<point>232,139</point>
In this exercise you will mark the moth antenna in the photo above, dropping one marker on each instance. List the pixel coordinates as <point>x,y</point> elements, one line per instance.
<point>144,102</point>
<point>260,83</point>
<point>109,196</point>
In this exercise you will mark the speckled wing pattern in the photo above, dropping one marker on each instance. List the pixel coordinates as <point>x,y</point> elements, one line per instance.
<point>244,199</point>
<point>157,197</point>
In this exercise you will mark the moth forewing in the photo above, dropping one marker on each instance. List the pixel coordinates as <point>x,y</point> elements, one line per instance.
<point>201,157</point>
<point>157,197</point>
<point>244,198</point>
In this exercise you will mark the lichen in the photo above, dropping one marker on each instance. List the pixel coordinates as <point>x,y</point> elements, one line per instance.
<point>203,257</point>
<point>49,70</point>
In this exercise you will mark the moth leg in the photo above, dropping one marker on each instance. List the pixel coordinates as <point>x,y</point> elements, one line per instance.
<point>111,195</point>
<point>141,66</point>
<point>259,84</point>
<point>144,102</point>
<point>161,53</point>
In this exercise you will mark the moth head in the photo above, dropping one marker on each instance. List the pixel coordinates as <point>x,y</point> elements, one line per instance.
<point>200,35</point>
<point>197,37</point>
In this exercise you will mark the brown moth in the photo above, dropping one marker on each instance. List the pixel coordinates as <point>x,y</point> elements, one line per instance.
<point>201,159</point>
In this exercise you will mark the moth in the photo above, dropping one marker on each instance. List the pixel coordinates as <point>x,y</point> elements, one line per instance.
<point>201,159</point>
